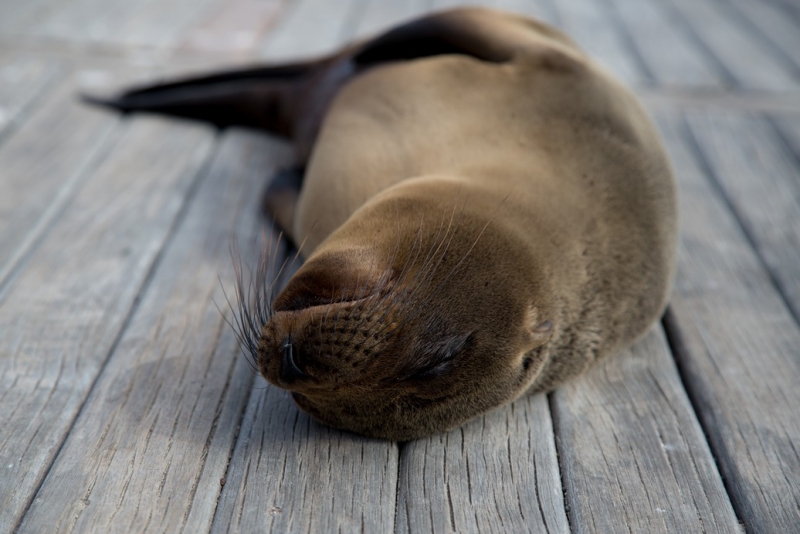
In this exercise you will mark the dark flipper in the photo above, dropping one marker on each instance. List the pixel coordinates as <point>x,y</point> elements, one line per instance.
<point>259,97</point>
<point>291,100</point>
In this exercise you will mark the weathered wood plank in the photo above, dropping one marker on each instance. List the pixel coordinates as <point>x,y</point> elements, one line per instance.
<point>788,124</point>
<point>592,26</point>
<point>737,347</point>
<point>41,165</point>
<point>16,13</point>
<point>312,27</point>
<point>747,59</point>
<point>291,474</point>
<point>761,179</point>
<point>154,23</point>
<point>153,440</point>
<point>148,23</point>
<point>498,473</point>
<point>22,81</point>
<point>632,452</point>
<point>670,52</point>
<point>65,309</point>
<point>232,27</point>
<point>775,24</point>
<point>379,16</point>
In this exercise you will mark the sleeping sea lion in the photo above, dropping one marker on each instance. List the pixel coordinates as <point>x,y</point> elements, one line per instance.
<point>485,211</point>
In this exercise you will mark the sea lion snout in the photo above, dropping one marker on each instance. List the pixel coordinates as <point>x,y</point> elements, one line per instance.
<point>340,276</point>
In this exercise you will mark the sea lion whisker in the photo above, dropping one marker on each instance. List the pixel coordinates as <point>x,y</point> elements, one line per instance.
<point>446,278</point>
<point>416,246</point>
<point>249,357</point>
<point>245,328</point>
<point>363,294</point>
<point>430,269</point>
<point>419,308</point>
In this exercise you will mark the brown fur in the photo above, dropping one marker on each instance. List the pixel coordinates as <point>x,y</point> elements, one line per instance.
<point>566,215</point>
<point>478,226</point>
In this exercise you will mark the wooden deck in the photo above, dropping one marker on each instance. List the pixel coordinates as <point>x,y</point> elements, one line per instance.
<point>126,406</point>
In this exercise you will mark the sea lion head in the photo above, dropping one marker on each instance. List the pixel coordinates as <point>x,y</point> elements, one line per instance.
<point>411,318</point>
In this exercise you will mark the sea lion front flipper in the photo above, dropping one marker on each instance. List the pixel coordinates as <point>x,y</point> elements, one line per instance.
<point>281,196</point>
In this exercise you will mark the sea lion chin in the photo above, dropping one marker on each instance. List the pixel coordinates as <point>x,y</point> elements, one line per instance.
<point>484,213</point>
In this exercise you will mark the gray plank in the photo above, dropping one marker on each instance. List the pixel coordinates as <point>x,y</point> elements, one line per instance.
<point>16,13</point>
<point>291,474</point>
<point>670,52</point>
<point>312,27</point>
<point>592,26</point>
<point>737,346</point>
<point>752,63</point>
<point>153,440</point>
<point>231,27</point>
<point>632,451</point>
<point>774,24</point>
<point>788,124</point>
<point>379,16</point>
<point>498,473</point>
<point>64,311</point>
<point>41,165</point>
<point>761,179</point>
<point>22,81</point>
<point>149,23</point>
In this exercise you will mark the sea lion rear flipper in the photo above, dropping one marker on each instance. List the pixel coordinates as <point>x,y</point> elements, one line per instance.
<point>262,97</point>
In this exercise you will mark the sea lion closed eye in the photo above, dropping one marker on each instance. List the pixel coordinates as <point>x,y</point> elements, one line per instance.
<point>486,212</point>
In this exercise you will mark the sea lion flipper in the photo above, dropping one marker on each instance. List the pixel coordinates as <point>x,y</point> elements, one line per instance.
<point>281,196</point>
<point>261,97</point>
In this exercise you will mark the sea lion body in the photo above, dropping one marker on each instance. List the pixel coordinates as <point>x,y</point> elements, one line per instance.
<point>477,226</point>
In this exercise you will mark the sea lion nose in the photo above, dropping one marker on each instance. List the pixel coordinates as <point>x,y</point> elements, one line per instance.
<point>290,371</point>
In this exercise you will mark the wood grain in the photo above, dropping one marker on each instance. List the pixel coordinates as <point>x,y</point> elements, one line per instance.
<point>632,451</point>
<point>498,473</point>
<point>16,13</point>
<point>751,63</point>
<point>671,53</point>
<point>593,27</point>
<point>312,27</point>
<point>289,473</point>
<point>42,164</point>
<point>147,23</point>
<point>60,317</point>
<point>761,180</point>
<point>379,16</point>
<point>153,440</point>
<point>23,80</point>
<point>232,27</point>
<point>737,347</point>
<point>775,24</point>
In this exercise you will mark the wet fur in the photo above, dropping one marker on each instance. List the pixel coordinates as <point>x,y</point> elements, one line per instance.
<point>485,213</point>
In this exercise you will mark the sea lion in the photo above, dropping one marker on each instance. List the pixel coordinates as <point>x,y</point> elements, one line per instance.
<point>485,213</point>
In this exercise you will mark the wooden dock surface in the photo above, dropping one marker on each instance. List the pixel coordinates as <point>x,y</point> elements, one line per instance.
<point>126,406</point>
